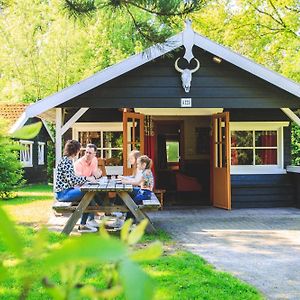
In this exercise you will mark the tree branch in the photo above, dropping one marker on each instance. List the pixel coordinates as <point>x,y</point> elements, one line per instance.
<point>186,10</point>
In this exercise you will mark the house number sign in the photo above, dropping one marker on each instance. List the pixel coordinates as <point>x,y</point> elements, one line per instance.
<point>186,102</point>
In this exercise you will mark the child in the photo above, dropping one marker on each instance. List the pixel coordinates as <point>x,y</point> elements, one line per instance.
<point>146,182</point>
<point>134,179</point>
<point>136,174</point>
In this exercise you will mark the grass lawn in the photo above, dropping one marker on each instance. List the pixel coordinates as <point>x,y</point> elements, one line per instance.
<point>31,206</point>
<point>178,274</point>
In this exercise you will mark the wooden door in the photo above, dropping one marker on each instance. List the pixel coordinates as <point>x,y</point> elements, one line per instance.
<point>221,187</point>
<point>133,137</point>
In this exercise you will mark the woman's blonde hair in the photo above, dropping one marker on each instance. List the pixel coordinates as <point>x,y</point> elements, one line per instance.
<point>136,154</point>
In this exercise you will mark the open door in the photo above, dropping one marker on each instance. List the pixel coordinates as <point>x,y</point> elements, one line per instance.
<point>221,188</point>
<point>133,137</point>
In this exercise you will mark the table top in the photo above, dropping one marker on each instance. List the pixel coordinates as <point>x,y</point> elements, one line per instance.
<point>106,185</point>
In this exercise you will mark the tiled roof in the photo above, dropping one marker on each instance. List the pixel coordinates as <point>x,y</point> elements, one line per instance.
<point>11,112</point>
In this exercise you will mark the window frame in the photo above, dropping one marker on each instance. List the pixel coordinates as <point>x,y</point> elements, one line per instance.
<point>41,148</point>
<point>100,127</point>
<point>260,126</point>
<point>26,164</point>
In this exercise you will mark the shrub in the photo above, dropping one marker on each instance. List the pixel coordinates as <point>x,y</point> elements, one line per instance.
<point>11,172</point>
<point>295,144</point>
<point>50,160</point>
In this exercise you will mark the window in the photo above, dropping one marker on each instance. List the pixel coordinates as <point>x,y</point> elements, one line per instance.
<point>108,137</point>
<point>257,147</point>
<point>41,153</point>
<point>26,153</point>
<point>172,148</point>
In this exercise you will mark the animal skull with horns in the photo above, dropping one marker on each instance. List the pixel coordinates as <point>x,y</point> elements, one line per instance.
<point>186,74</point>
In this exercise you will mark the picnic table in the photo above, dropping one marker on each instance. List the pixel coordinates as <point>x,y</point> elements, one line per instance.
<point>105,186</point>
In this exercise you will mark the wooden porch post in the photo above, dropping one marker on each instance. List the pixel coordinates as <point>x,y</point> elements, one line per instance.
<point>291,115</point>
<point>58,135</point>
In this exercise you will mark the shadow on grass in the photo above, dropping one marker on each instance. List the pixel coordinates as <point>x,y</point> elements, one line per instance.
<point>29,194</point>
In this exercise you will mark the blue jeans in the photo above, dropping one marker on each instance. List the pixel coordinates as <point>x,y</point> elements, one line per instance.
<point>142,195</point>
<point>132,194</point>
<point>139,196</point>
<point>74,195</point>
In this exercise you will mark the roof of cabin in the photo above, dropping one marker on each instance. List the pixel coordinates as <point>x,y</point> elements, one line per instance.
<point>11,112</point>
<point>186,38</point>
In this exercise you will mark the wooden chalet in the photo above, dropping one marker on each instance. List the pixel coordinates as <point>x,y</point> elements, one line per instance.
<point>33,155</point>
<point>203,113</point>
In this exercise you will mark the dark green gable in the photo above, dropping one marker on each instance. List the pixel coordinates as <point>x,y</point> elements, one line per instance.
<point>158,84</point>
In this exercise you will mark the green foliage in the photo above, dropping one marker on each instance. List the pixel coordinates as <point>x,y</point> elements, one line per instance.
<point>178,275</point>
<point>28,131</point>
<point>50,155</point>
<point>172,151</point>
<point>295,145</point>
<point>266,31</point>
<point>151,20</point>
<point>13,241</point>
<point>50,160</point>
<point>70,260</point>
<point>11,172</point>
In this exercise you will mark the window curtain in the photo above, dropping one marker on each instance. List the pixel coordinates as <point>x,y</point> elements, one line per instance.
<point>234,152</point>
<point>162,162</point>
<point>269,156</point>
<point>150,141</point>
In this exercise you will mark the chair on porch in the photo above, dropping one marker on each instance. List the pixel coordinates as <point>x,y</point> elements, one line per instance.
<point>113,161</point>
<point>187,184</point>
<point>101,165</point>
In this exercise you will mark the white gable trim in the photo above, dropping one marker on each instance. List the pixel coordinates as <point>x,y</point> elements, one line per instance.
<point>48,130</point>
<point>156,51</point>
<point>291,115</point>
<point>74,118</point>
<point>19,123</point>
<point>101,78</point>
<point>247,64</point>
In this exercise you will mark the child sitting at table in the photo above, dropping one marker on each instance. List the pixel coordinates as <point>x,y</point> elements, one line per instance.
<point>146,182</point>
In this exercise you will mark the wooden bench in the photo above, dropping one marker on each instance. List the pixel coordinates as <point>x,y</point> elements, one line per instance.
<point>69,207</point>
<point>151,205</point>
<point>160,194</point>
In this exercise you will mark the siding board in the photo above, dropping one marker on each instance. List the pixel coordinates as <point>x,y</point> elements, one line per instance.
<point>272,190</point>
<point>158,84</point>
<point>167,102</point>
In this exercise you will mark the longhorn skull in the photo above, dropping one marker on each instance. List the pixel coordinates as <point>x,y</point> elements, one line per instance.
<point>186,74</point>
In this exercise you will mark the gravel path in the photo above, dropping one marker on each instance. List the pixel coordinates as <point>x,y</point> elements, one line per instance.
<point>260,246</point>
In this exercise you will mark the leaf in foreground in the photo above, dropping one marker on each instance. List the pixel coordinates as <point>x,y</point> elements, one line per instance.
<point>28,131</point>
<point>10,236</point>
<point>3,272</point>
<point>137,233</point>
<point>92,248</point>
<point>138,285</point>
<point>153,251</point>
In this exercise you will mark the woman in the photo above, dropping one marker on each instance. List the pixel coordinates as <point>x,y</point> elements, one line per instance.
<point>67,183</point>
